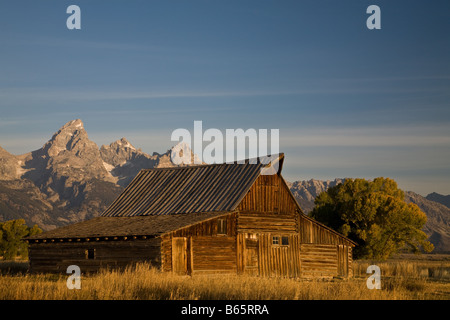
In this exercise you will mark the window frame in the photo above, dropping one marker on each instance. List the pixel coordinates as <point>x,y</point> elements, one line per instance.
<point>222,227</point>
<point>277,238</point>
<point>90,254</point>
<point>280,241</point>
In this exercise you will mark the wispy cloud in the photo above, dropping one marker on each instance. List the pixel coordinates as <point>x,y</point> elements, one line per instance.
<point>398,136</point>
<point>53,42</point>
<point>89,95</point>
<point>81,94</point>
<point>394,78</point>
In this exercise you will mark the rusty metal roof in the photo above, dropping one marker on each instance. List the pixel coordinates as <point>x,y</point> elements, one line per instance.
<point>126,226</point>
<point>193,189</point>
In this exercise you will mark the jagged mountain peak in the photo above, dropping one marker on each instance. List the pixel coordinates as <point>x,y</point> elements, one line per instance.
<point>120,152</point>
<point>66,164</point>
<point>70,137</point>
<point>74,124</point>
<point>5,154</point>
<point>121,144</point>
<point>123,161</point>
<point>179,149</point>
<point>310,189</point>
<point>3,150</point>
<point>70,128</point>
<point>125,143</point>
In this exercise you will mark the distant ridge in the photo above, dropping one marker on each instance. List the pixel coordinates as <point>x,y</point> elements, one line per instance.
<point>306,191</point>
<point>438,221</point>
<point>436,197</point>
<point>438,215</point>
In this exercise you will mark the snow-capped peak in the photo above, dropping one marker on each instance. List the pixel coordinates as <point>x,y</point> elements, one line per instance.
<point>125,143</point>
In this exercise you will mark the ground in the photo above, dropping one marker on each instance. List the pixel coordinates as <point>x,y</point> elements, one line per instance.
<point>405,277</point>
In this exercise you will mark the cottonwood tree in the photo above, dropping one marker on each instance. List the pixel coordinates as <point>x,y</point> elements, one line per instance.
<point>11,238</point>
<point>375,215</point>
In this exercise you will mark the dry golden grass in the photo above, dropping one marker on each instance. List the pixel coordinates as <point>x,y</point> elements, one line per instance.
<point>400,280</point>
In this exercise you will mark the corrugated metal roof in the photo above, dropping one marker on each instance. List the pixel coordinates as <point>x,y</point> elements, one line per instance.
<point>204,188</point>
<point>126,226</point>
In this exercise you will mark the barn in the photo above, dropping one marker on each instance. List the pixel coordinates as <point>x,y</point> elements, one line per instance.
<point>220,218</point>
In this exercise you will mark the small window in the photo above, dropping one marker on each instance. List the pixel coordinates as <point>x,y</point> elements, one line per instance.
<point>221,226</point>
<point>90,254</point>
<point>276,240</point>
<point>252,236</point>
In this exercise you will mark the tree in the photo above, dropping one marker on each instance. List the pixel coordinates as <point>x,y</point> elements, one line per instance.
<point>374,215</point>
<point>11,241</point>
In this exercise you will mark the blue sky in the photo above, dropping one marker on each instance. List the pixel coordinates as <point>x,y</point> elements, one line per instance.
<point>348,101</point>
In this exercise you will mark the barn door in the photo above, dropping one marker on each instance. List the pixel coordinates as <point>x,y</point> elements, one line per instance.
<point>251,257</point>
<point>179,255</point>
<point>342,253</point>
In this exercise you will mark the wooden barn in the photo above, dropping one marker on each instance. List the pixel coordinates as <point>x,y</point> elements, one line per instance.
<point>220,218</point>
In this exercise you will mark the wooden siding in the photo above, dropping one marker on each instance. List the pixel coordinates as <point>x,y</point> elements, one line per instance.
<point>208,228</point>
<point>203,229</point>
<point>213,255</point>
<point>350,262</point>
<point>180,255</point>
<point>318,260</point>
<point>251,256</point>
<point>279,260</point>
<point>253,222</point>
<point>273,260</point>
<point>326,260</point>
<point>342,259</point>
<point>313,232</point>
<point>166,253</point>
<point>269,194</point>
<point>205,254</point>
<point>56,257</point>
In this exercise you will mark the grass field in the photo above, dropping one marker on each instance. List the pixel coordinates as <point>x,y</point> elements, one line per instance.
<point>401,278</point>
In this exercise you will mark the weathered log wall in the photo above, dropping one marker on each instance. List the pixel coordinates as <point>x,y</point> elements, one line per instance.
<point>269,210</point>
<point>255,222</point>
<point>279,260</point>
<point>56,257</point>
<point>325,260</point>
<point>313,232</point>
<point>213,255</point>
<point>207,249</point>
<point>269,194</point>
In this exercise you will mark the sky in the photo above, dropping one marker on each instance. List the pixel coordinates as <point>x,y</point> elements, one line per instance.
<point>348,101</point>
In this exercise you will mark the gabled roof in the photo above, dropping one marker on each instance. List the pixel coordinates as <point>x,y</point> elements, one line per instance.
<point>193,189</point>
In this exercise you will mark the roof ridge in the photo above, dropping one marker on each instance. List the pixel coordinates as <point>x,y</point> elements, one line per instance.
<point>246,161</point>
<point>194,166</point>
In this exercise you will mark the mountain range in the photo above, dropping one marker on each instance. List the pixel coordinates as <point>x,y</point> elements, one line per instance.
<point>71,179</point>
